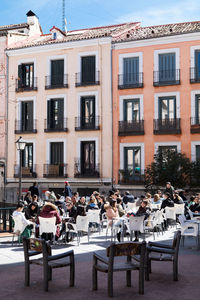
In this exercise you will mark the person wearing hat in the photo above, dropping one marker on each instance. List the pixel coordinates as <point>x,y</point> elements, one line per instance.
<point>169,189</point>
<point>67,190</point>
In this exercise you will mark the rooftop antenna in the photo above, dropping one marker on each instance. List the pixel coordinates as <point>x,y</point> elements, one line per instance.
<point>63,15</point>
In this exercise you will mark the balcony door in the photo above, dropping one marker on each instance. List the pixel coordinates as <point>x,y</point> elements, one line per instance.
<point>197,64</point>
<point>88,158</point>
<point>131,70</point>
<point>26,75</point>
<point>88,112</point>
<point>55,114</point>
<point>57,158</point>
<point>132,161</point>
<point>131,110</point>
<point>167,67</point>
<point>27,115</point>
<point>27,156</point>
<point>197,109</point>
<point>57,72</point>
<point>88,67</point>
<point>167,108</point>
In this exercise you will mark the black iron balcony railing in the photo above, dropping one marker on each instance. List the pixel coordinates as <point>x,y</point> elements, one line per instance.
<point>27,172</point>
<point>86,171</point>
<point>133,177</point>
<point>166,77</point>
<point>84,79</point>
<point>130,80</point>
<point>6,220</point>
<point>55,170</point>
<point>55,125</point>
<point>87,123</point>
<point>194,75</point>
<point>23,86</point>
<point>167,126</point>
<point>133,127</point>
<point>56,82</point>
<point>195,125</point>
<point>28,126</point>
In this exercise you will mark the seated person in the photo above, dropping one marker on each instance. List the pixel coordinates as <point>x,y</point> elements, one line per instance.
<point>177,199</point>
<point>92,204</point>
<point>143,210</point>
<point>128,198</point>
<point>27,225</point>
<point>28,197</point>
<point>195,207</point>
<point>81,207</point>
<point>111,210</point>
<point>121,211</point>
<point>167,201</point>
<point>32,211</point>
<point>71,211</point>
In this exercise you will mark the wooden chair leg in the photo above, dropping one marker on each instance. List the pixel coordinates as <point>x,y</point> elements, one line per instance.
<point>49,273</point>
<point>46,276</point>
<point>94,279</point>
<point>72,271</point>
<point>110,284</point>
<point>147,268</point>
<point>141,281</point>
<point>27,273</point>
<point>128,278</point>
<point>175,270</point>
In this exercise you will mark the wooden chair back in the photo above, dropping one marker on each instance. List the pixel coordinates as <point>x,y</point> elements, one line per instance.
<point>125,249</point>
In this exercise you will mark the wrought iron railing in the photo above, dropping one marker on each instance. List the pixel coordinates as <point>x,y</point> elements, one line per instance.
<point>195,125</point>
<point>133,177</point>
<point>87,123</point>
<point>194,75</point>
<point>55,126</point>
<point>81,170</point>
<point>27,172</point>
<point>167,126</point>
<point>130,80</point>
<point>166,77</point>
<point>133,127</point>
<point>56,82</point>
<point>84,79</point>
<point>6,221</point>
<point>22,85</point>
<point>55,170</point>
<point>28,126</point>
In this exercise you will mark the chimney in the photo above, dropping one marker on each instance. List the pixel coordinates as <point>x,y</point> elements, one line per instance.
<point>33,22</point>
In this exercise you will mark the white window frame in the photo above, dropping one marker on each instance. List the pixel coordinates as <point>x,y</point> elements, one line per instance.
<point>29,61</point>
<point>193,96</point>
<point>165,144</point>
<point>56,57</point>
<point>89,53</point>
<point>58,96</point>
<point>124,145</point>
<point>192,55</point>
<point>156,105</point>
<point>165,51</point>
<point>56,140</point>
<point>34,151</point>
<point>193,149</point>
<point>19,107</point>
<point>129,97</point>
<point>129,55</point>
<point>88,139</point>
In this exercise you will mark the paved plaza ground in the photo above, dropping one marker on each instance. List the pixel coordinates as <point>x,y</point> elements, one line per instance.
<point>160,286</point>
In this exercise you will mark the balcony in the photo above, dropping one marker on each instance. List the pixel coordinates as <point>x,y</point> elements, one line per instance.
<point>25,127</point>
<point>22,86</point>
<point>194,75</point>
<point>130,81</point>
<point>82,79</point>
<point>130,177</point>
<point>133,127</point>
<point>56,82</point>
<point>167,126</point>
<point>55,170</point>
<point>166,77</point>
<point>27,172</point>
<point>80,172</point>
<point>194,125</point>
<point>87,123</point>
<point>55,126</point>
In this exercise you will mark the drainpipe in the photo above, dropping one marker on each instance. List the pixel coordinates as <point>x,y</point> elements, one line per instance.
<point>6,133</point>
<point>111,62</point>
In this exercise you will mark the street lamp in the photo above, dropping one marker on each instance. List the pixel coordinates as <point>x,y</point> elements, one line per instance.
<point>20,144</point>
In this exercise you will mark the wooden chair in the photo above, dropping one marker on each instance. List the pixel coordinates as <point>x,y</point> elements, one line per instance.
<point>162,252</point>
<point>34,247</point>
<point>107,265</point>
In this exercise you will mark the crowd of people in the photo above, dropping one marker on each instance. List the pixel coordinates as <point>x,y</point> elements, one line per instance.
<point>69,205</point>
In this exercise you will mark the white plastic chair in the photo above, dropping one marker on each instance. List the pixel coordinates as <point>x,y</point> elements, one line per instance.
<point>131,206</point>
<point>179,209</point>
<point>47,225</point>
<point>189,229</point>
<point>94,217</point>
<point>82,225</point>
<point>136,224</point>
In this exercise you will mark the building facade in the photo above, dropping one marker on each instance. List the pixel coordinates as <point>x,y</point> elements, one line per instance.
<point>156,94</point>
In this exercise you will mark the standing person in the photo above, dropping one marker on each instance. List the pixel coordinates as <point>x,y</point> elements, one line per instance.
<point>67,190</point>
<point>34,189</point>
<point>169,189</point>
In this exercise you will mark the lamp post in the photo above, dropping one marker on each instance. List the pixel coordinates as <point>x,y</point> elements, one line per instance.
<point>20,144</point>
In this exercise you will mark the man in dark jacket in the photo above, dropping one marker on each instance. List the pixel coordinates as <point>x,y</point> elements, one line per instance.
<point>169,189</point>
<point>34,189</point>
<point>195,207</point>
<point>128,198</point>
<point>167,201</point>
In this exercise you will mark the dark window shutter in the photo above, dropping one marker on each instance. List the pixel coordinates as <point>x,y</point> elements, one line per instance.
<point>167,67</point>
<point>60,113</point>
<point>29,117</point>
<point>131,70</point>
<point>20,67</point>
<point>88,69</point>
<point>197,64</point>
<point>197,152</point>
<point>49,114</point>
<point>57,72</point>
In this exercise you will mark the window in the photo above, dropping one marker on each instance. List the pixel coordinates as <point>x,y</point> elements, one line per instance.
<point>197,109</point>
<point>57,72</point>
<point>55,114</point>
<point>164,151</point>
<point>197,64</point>
<point>27,156</point>
<point>27,115</point>
<point>54,35</point>
<point>167,67</point>
<point>167,108</point>
<point>197,152</point>
<point>132,110</point>
<point>26,76</point>
<point>88,112</point>
<point>88,157</point>
<point>131,70</point>
<point>132,160</point>
<point>56,159</point>
<point>88,67</point>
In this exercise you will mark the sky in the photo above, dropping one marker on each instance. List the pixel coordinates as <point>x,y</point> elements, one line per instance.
<point>92,13</point>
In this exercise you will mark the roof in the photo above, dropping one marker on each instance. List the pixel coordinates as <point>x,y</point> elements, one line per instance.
<point>159,31</point>
<point>76,35</point>
<point>13,26</point>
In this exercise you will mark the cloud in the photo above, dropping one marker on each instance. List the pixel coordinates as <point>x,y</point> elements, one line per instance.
<point>185,10</point>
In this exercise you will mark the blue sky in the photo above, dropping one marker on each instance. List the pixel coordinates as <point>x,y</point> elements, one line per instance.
<point>91,13</point>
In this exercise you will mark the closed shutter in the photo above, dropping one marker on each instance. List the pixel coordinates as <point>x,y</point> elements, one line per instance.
<point>57,156</point>
<point>20,76</point>
<point>197,64</point>
<point>131,70</point>
<point>88,69</point>
<point>167,67</point>
<point>197,109</point>
<point>29,116</point>
<point>60,113</point>
<point>50,122</point>
<point>57,72</point>
<point>197,152</point>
